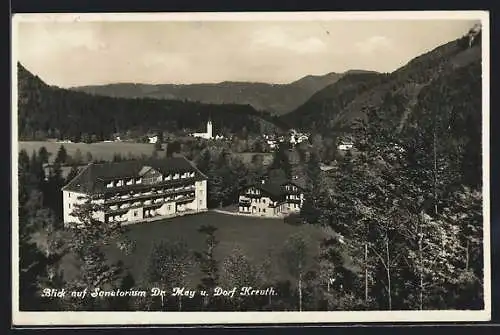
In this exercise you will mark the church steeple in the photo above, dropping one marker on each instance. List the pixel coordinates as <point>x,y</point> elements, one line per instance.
<point>209,128</point>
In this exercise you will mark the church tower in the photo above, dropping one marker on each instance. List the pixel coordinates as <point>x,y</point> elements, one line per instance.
<point>209,129</point>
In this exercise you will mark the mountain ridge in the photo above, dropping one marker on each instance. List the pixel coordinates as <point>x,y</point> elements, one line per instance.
<point>46,111</point>
<point>394,93</point>
<point>275,98</point>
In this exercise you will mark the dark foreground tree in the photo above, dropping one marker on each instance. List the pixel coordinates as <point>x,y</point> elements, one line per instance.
<point>209,267</point>
<point>89,237</point>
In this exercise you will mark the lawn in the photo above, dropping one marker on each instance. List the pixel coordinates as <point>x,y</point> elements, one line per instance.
<point>256,237</point>
<point>104,151</point>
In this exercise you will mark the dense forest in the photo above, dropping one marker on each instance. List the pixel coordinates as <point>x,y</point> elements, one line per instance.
<point>317,114</point>
<point>394,94</point>
<point>275,98</point>
<point>51,112</point>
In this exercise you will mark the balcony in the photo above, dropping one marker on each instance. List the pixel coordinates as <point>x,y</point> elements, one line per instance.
<point>245,203</point>
<point>186,198</point>
<point>149,204</point>
<point>150,194</point>
<point>140,186</point>
<point>253,195</point>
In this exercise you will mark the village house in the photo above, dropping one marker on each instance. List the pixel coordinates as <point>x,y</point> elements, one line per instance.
<point>345,144</point>
<point>271,198</point>
<point>136,191</point>
<point>153,139</point>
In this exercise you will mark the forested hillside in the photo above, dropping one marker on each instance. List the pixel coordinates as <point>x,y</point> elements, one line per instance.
<point>274,98</point>
<point>406,204</point>
<point>318,113</point>
<point>45,111</point>
<point>395,94</point>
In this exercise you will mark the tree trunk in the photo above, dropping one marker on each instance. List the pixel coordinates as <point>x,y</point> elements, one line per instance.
<point>435,170</point>
<point>388,272</point>
<point>467,256</point>
<point>366,272</point>
<point>180,303</point>
<point>300,291</point>
<point>421,268</point>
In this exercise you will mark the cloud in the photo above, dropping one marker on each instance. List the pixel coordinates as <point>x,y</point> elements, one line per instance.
<point>309,45</point>
<point>280,39</point>
<point>373,44</point>
<point>44,42</point>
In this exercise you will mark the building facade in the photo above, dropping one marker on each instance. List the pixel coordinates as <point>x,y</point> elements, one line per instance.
<point>271,198</point>
<point>208,134</point>
<point>137,191</point>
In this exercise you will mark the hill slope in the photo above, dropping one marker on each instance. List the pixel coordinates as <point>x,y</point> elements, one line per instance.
<point>45,111</point>
<point>319,112</point>
<point>395,94</point>
<point>275,98</point>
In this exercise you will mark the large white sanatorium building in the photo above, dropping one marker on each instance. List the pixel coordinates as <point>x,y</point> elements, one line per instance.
<point>135,191</point>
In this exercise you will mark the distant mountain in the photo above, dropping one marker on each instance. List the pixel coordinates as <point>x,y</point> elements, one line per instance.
<point>320,111</point>
<point>274,98</point>
<point>47,111</point>
<point>397,94</point>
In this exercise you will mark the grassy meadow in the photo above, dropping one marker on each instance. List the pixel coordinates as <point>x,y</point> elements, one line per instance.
<point>102,150</point>
<point>258,238</point>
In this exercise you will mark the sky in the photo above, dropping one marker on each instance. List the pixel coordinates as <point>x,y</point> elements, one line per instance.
<point>77,53</point>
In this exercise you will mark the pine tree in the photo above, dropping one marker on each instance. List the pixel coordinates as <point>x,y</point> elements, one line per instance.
<point>88,237</point>
<point>158,145</point>
<point>88,157</point>
<point>208,266</point>
<point>237,271</point>
<point>295,255</point>
<point>72,174</point>
<point>167,267</point>
<point>124,303</point>
<point>40,249</point>
<point>43,155</point>
<point>61,156</point>
<point>27,181</point>
<point>36,170</point>
<point>117,157</point>
<point>281,161</point>
<point>203,160</point>
<point>77,158</point>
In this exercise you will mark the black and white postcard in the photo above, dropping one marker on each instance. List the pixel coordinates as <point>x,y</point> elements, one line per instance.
<point>235,168</point>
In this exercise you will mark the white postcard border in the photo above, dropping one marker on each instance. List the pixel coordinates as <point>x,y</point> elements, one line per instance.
<point>191,318</point>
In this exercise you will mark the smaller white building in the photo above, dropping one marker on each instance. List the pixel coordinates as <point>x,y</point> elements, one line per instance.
<point>344,146</point>
<point>208,135</point>
<point>153,139</point>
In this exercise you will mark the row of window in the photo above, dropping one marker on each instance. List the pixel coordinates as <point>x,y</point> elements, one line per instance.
<point>293,197</point>
<point>291,188</point>
<point>150,180</point>
<point>159,191</point>
<point>247,209</point>
<point>151,201</point>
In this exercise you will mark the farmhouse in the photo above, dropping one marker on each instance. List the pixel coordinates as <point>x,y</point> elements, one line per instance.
<point>153,139</point>
<point>135,191</point>
<point>271,198</point>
